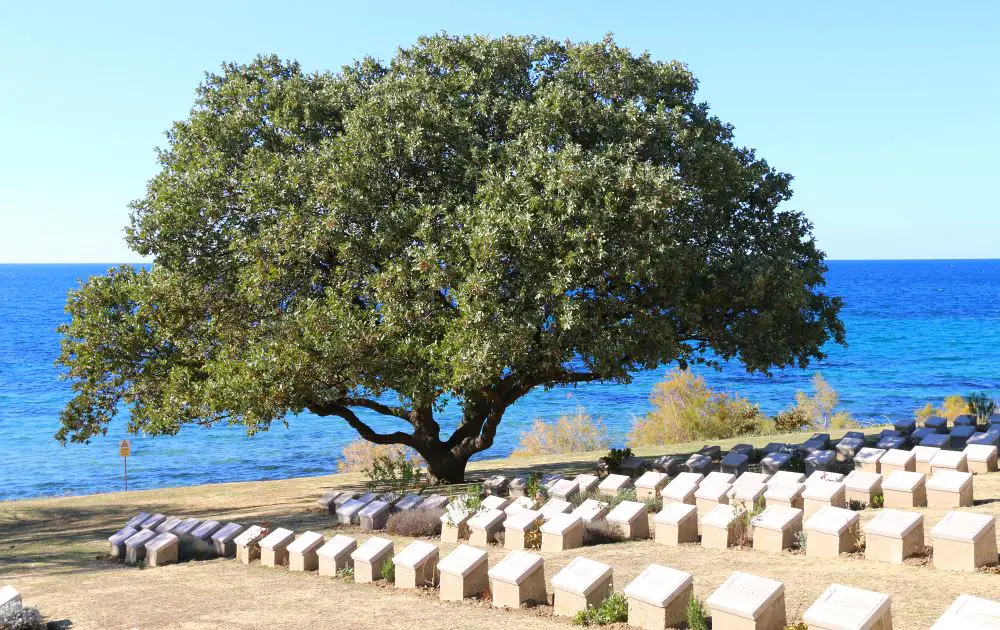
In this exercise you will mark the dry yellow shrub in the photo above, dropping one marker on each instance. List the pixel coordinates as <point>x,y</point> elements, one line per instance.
<point>358,455</point>
<point>685,410</point>
<point>569,434</point>
<point>953,407</point>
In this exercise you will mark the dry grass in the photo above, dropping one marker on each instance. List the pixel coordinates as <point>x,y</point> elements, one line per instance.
<point>52,550</point>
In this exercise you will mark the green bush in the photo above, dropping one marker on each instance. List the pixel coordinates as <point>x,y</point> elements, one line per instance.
<point>393,469</point>
<point>614,609</point>
<point>696,617</point>
<point>981,406</point>
<point>388,570</point>
<point>613,460</point>
<point>878,501</point>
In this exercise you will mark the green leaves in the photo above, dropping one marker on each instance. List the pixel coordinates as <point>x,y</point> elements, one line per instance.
<point>472,219</point>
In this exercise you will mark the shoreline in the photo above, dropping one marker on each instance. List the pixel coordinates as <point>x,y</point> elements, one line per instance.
<point>543,463</point>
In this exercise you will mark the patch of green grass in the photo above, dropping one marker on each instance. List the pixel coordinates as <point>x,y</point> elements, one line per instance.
<point>614,609</point>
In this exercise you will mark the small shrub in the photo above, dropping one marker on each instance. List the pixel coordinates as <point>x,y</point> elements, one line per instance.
<point>741,527</point>
<point>953,407</point>
<point>799,539</point>
<point>820,409</point>
<point>467,503</point>
<point>569,434</point>
<point>388,570</point>
<point>696,617</point>
<point>359,455</point>
<point>418,523</point>
<point>613,460</point>
<point>19,617</point>
<point>797,626</point>
<point>981,406</point>
<point>347,573</point>
<point>685,410</point>
<point>533,486</point>
<point>921,415</point>
<point>856,505</point>
<point>790,420</point>
<point>395,469</point>
<point>614,609</point>
<point>878,501</point>
<point>601,533</point>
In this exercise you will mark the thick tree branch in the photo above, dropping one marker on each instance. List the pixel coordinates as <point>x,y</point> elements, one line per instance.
<point>365,431</point>
<point>374,405</point>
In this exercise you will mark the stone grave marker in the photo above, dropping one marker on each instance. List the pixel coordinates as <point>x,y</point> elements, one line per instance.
<point>517,579</point>
<point>581,583</point>
<point>747,601</point>
<point>658,598</point>
<point>464,573</point>
<point>302,554</point>
<point>335,555</point>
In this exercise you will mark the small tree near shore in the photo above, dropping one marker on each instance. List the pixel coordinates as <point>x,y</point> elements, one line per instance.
<point>469,221</point>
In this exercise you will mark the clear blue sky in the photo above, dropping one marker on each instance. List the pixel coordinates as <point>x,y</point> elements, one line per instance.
<point>886,113</point>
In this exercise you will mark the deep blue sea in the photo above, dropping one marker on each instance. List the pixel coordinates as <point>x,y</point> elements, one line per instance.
<point>917,331</point>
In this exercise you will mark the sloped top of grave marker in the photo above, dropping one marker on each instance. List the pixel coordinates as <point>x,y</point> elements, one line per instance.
<point>658,585</point>
<point>463,560</point>
<point>516,567</point>
<point>846,608</point>
<point>745,595</point>
<point>581,576</point>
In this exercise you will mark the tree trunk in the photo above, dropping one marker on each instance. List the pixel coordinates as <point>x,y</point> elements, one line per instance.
<point>444,466</point>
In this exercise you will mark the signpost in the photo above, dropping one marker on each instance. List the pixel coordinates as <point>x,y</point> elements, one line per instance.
<point>125,449</point>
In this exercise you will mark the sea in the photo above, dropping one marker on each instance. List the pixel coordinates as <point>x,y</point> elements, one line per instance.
<point>917,331</point>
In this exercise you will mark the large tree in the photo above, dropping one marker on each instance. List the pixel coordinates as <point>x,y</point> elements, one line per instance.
<point>473,219</point>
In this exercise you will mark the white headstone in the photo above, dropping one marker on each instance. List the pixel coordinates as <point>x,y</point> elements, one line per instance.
<point>949,481</point>
<point>893,523</point>
<point>525,520</point>
<point>305,542</point>
<point>463,560</point>
<point>784,478</point>
<point>863,481</point>
<point>337,547</point>
<point>832,520</point>
<point>849,608</point>
<point>371,549</point>
<point>745,595</point>
<point>658,585</point>
<point>962,526</point>
<point>581,576</point>
<point>516,567</point>
<point>903,481</point>
<point>674,513</point>
<point>277,539</point>
<point>898,457</point>
<point>969,613</point>
<point>415,554</point>
<point>564,488</point>
<point>561,523</point>
<point>591,510</point>
<point>493,502</point>
<point>555,506</point>
<point>626,512</point>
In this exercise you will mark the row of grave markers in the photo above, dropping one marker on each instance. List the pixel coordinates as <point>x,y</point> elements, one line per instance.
<point>657,598</point>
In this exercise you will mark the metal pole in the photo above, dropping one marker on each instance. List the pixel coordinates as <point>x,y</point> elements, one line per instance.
<point>125,459</point>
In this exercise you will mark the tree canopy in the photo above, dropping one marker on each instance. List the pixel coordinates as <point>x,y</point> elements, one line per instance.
<point>473,219</point>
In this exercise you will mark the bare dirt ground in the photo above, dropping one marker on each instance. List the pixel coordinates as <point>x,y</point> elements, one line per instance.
<point>54,552</point>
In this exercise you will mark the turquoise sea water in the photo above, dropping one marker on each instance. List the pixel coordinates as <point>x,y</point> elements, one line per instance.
<point>917,331</point>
